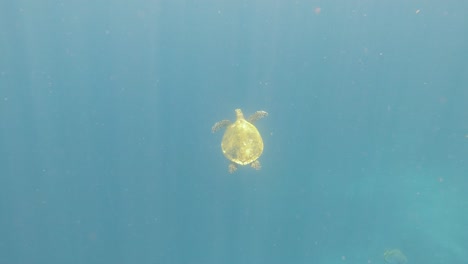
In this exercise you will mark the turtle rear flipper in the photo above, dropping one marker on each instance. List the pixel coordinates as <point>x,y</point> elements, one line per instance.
<point>256,116</point>
<point>232,168</point>
<point>219,125</point>
<point>256,165</point>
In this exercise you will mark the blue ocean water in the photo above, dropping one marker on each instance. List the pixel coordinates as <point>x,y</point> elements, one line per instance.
<point>107,155</point>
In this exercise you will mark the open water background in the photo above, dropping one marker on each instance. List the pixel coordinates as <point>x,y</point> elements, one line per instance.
<point>106,153</point>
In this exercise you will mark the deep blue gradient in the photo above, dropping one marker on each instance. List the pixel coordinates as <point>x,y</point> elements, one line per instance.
<point>107,155</point>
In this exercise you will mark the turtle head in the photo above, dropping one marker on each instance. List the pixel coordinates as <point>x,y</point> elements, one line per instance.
<point>239,114</point>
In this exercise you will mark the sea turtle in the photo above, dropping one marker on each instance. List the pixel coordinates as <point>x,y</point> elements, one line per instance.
<point>242,143</point>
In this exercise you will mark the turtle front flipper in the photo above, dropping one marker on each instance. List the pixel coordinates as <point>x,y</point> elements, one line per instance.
<point>219,125</point>
<point>256,116</point>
